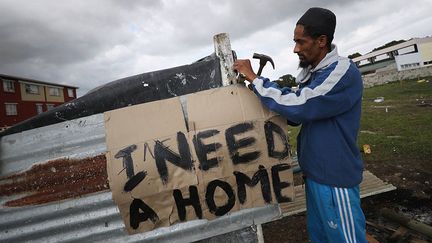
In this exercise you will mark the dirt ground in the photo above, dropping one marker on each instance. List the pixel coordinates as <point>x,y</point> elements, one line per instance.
<point>412,198</point>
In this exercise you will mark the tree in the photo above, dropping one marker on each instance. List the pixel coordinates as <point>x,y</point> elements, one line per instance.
<point>287,81</point>
<point>391,43</point>
<point>354,55</point>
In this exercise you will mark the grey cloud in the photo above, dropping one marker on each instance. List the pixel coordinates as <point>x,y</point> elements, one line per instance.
<point>192,23</point>
<point>87,43</point>
<point>63,32</point>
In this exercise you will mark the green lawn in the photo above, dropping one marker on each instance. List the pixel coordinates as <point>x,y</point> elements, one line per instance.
<point>404,132</point>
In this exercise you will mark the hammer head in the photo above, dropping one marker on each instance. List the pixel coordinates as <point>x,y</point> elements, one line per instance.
<point>263,59</point>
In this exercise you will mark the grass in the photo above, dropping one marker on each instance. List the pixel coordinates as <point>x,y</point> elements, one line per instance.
<point>404,132</point>
<point>401,145</point>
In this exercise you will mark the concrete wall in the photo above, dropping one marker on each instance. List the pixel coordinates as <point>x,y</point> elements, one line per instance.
<point>394,75</point>
<point>426,51</point>
<point>412,59</point>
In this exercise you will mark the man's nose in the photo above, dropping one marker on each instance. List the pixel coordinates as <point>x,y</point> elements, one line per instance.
<point>296,49</point>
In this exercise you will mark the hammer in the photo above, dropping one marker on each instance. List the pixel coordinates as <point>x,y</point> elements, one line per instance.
<point>263,61</point>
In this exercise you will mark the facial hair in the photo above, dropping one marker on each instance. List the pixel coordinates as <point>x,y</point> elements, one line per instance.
<point>303,64</point>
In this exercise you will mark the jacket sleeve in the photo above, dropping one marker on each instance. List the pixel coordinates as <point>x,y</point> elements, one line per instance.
<point>331,92</point>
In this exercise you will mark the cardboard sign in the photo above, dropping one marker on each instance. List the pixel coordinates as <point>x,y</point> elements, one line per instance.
<point>197,156</point>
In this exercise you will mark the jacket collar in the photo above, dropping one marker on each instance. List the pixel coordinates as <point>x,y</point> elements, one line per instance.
<point>330,58</point>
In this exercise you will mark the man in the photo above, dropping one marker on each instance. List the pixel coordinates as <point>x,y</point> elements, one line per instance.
<point>328,105</point>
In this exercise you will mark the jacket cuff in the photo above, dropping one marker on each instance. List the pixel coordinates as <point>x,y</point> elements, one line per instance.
<point>256,79</point>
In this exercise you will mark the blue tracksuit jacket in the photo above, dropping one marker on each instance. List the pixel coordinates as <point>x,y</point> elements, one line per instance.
<point>328,105</point>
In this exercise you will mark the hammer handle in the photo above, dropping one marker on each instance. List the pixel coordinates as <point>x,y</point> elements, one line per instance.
<point>260,70</point>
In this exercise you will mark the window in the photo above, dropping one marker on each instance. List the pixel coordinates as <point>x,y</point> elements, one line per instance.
<point>39,108</point>
<point>410,65</point>
<point>49,106</point>
<point>11,109</point>
<point>54,91</point>
<point>8,85</point>
<point>71,93</point>
<point>32,89</point>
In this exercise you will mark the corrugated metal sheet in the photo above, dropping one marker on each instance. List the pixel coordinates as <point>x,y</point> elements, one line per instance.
<point>96,218</point>
<point>76,214</point>
<point>79,138</point>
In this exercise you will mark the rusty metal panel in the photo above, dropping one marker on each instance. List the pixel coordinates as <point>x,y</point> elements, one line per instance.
<point>55,180</point>
<point>53,187</point>
<point>79,138</point>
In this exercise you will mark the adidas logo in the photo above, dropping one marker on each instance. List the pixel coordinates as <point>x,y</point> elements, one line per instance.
<point>332,224</point>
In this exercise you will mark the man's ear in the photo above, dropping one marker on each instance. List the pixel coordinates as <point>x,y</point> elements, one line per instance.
<point>322,41</point>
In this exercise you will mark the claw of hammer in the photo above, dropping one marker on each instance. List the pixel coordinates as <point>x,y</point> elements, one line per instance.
<point>263,61</point>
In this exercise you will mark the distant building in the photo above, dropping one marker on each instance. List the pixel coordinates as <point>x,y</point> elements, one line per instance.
<point>22,98</point>
<point>414,53</point>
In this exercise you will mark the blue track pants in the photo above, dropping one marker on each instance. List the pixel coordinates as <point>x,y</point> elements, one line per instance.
<point>334,214</point>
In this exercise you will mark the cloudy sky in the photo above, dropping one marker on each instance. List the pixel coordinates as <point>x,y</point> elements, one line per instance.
<point>87,43</point>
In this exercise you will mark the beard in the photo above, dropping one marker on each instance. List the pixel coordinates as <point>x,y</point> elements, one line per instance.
<point>304,64</point>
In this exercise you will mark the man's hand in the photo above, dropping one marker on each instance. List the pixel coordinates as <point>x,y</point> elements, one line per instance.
<point>244,67</point>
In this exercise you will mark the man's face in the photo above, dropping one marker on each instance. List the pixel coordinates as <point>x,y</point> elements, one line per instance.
<point>307,48</point>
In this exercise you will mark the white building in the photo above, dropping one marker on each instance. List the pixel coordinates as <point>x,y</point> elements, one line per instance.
<point>414,53</point>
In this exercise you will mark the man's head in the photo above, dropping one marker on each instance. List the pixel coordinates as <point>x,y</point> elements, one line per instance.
<point>313,35</point>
